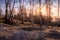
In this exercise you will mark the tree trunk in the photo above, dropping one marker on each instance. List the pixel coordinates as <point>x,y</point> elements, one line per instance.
<point>0,8</point>
<point>40,16</point>
<point>11,11</point>
<point>48,10</point>
<point>6,11</point>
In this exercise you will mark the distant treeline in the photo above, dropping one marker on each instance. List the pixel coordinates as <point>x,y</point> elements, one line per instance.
<point>23,15</point>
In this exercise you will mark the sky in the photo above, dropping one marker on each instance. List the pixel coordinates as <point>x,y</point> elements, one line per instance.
<point>54,6</point>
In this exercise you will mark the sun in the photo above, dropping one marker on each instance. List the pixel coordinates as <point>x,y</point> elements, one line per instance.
<point>38,11</point>
<point>43,11</point>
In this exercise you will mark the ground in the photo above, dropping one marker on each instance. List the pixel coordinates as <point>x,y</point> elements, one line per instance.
<point>28,32</point>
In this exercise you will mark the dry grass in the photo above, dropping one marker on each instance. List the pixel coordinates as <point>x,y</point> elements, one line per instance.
<point>12,32</point>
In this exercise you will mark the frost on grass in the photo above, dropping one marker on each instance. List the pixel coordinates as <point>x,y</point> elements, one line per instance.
<point>26,35</point>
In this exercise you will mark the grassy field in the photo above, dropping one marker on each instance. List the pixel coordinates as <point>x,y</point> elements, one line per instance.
<point>28,32</point>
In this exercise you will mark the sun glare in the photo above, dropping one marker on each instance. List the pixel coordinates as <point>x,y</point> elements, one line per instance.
<point>38,11</point>
<point>43,10</point>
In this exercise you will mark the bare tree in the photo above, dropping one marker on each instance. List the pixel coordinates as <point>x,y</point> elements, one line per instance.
<point>6,11</point>
<point>58,8</point>
<point>31,11</point>
<point>48,10</point>
<point>22,11</point>
<point>40,16</point>
<point>11,10</point>
<point>57,14</point>
<point>30,15</point>
<point>7,3</point>
<point>20,1</point>
<point>0,7</point>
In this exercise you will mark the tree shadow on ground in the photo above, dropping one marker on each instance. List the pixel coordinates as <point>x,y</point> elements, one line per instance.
<point>32,28</point>
<point>54,34</point>
<point>25,35</point>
